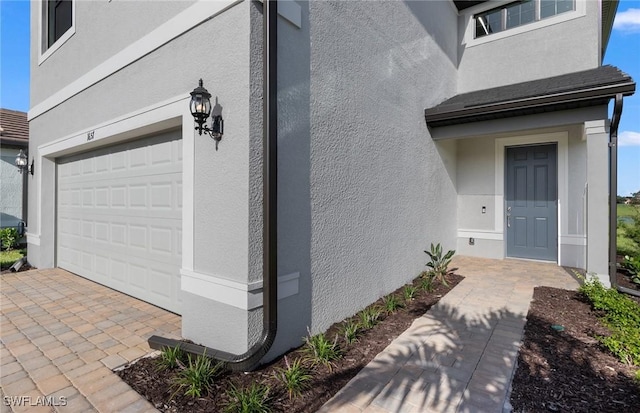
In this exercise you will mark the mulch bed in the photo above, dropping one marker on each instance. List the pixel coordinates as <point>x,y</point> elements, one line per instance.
<point>568,371</point>
<point>624,278</point>
<point>157,386</point>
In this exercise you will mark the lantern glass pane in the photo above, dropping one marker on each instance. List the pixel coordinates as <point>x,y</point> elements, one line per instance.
<point>21,159</point>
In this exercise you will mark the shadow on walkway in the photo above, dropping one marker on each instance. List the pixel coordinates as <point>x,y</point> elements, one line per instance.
<point>446,361</point>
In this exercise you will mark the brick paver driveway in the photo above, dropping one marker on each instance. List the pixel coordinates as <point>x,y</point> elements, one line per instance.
<point>62,335</point>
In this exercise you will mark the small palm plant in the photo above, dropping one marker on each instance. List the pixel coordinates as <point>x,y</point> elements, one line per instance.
<point>350,331</point>
<point>295,377</point>
<point>252,399</point>
<point>409,292</point>
<point>197,378</point>
<point>439,263</point>
<point>426,281</point>
<point>170,358</point>
<point>391,303</point>
<point>321,350</point>
<point>369,317</point>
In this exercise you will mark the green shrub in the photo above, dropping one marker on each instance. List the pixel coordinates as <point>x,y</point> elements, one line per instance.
<point>391,303</point>
<point>9,238</point>
<point>295,377</point>
<point>632,265</point>
<point>253,399</point>
<point>369,317</point>
<point>171,358</point>
<point>628,232</point>
<point>321,350</point>
<point>621,315</point>
<point>350,332</point>
<point>409,292</point>
<point>196,378</point>
<point>626,246</point>
<point>439,263</point>
<point>426,281</point>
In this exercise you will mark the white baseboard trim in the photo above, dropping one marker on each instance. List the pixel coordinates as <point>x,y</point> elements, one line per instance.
<point>246,296</point>
<point>479,234</point>
<point>573,240</point>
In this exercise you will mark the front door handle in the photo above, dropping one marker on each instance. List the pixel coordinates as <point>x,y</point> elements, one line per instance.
<point>508,220</point>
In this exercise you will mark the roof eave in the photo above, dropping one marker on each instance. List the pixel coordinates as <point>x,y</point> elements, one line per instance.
<point>608,14</point>
<point>4,140</point>
<point>463,115</point>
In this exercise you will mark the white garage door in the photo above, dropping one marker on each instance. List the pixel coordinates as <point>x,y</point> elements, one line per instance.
<point>119,219</point>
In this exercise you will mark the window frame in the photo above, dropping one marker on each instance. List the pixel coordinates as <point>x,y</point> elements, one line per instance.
<point>469,39</point>
<point>45,51</point>
<point>504,15</point>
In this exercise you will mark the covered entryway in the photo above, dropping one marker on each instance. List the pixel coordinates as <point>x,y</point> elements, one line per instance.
<point>531,213</point>
<point>119,218</point>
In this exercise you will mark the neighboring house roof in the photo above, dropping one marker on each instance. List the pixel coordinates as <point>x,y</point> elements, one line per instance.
<point>14,128</point>
<point>573,90</point>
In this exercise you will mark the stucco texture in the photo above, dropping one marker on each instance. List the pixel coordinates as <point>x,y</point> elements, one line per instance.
<point>570,46</point>
<point>12,185</point>
<point>380,191</point>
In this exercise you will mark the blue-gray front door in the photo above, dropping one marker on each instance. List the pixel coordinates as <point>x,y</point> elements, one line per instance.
<point>531,208</point>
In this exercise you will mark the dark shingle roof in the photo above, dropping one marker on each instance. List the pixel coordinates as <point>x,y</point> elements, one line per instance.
<point>14,127</point>
<point>578,89</point>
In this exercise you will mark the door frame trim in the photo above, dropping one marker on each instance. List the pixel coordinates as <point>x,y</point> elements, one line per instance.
<point>561,139</point>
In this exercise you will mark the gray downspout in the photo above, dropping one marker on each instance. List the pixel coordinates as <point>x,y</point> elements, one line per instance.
<point>250,359</point>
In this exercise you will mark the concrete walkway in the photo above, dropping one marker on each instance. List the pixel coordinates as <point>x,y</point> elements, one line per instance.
<point>460,356</point>
<point>62,335</point>
<point>60,338</point>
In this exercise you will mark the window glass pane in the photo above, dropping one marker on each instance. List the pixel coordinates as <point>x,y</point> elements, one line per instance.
<point>565,5</point>
<point>550,8</point>
<point>487,23</point>
<point>59,19</point>
<point>520,13</point>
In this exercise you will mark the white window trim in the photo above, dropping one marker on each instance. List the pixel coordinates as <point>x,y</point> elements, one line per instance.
<point>469,34</point>
<point>44,55</point>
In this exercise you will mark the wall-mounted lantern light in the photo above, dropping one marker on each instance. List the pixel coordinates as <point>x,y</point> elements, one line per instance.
<point>200,106</point>
<point>22,163</point>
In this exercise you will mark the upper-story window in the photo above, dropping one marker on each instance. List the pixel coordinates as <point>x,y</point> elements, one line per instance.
<point>59,19</point>
<point>57,25</point>
<point>519,13</point>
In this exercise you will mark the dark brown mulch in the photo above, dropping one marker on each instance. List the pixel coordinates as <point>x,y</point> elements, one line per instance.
<point>569,371</point>
<point>157,386</point>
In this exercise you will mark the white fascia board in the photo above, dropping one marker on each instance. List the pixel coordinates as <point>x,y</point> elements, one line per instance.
<point>246,296</point>
<point>181,23</point>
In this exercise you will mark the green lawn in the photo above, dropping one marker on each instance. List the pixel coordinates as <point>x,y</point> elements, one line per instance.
<point>7,258</point>
<point>627,214</point>
<point>628,210</point>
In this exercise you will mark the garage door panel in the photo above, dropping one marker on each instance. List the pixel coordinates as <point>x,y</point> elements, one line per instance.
<point>120,219</point>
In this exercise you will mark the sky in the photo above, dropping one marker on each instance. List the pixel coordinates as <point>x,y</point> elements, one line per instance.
<point>623,51</point>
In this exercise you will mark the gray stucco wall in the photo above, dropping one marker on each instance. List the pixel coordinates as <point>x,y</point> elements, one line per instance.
<point>221,187</point>
<point>96,39</point>
<point>380,190</point>
<point>12,184</point>
<point>547,51</point>
<point>476,163</point>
